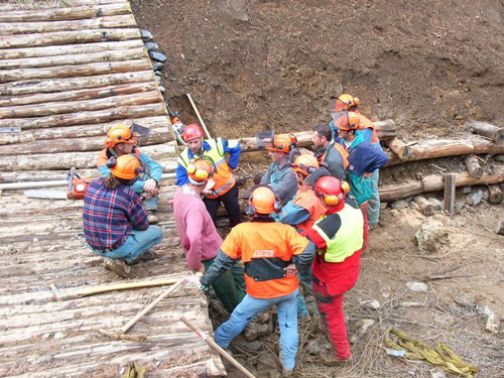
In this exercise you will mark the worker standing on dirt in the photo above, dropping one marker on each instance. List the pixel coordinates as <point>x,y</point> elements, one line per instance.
<point>270,252</point>
<point>122,140</point>
<point>339,238</point>
<point>224,188</point>
<point>115,222</point>
<point>363,160</point>
<point>332,155</point>
<point>301,212</point>
<point>198,235</point>
<point>280,177</point>
<point>347,102</point>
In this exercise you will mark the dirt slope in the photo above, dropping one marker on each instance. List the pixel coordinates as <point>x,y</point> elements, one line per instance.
<point>255,64</point>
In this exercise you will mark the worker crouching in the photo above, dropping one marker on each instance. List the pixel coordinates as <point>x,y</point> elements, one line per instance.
<point>339,238</point>
<point>271,252</point>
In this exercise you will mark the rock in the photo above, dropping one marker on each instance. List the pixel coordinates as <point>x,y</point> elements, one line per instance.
<point>157,66</point>
<point>432,236</point>
<point>364,325</point>
<point>466,189</point>
<point>400,204</point>
<point>162,89</point>
<point>437,373</point>
<point>255,330</point>
<point>499,158</point>
<point>438,205</point>
<point>418,287</point>
<point>492,322</point>
<point>475,198</point>
<point>146,35</point>
<point>372,304</point>
<point>499,229</point>
<point>151,46</point>
<point>158,56</point>
<point>459,205</point>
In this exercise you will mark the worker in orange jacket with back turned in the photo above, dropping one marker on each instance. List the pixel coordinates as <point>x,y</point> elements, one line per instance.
<point>270,252</point>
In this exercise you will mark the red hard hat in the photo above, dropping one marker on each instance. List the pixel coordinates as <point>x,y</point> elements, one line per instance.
<point>192,131</point>
<point>331,190</point>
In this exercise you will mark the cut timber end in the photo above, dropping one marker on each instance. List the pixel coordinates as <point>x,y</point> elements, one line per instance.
<point>472,163</point>
<point>487,130</point>
<point>495,194</point>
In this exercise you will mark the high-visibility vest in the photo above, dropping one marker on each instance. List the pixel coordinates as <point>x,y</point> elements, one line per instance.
<point>348,238</point>
<point>366,123</point>
<point>342,151</point>
<point>307,199</point>
<point>223,175</point>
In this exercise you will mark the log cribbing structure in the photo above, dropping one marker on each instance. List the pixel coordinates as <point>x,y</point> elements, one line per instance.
<point>69,70</point>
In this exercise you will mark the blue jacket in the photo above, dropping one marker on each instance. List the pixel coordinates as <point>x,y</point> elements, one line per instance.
<point>234,158</point>
<point>281,179</point>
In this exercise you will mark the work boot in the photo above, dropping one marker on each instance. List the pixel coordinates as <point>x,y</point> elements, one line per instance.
<point>152,218</point>
<point>328,358</point>
<point>118,266</point>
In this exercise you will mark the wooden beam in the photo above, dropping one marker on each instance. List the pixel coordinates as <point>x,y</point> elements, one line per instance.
<point>399,148</point>
<point>51,61</point>
<point>54,4</point>
<point>121,21</point>
<point>90,69</point>
<point>488,130</point>
<point>87,117</point>
<point>34,52</point>
<point>74,83</point>
<point>57,14</point>
<point>64,107</point>
<point>449,193</point>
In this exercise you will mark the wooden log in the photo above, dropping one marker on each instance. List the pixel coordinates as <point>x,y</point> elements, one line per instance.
<point>42,175</point>
<point>399,148</point>
<point>59,107</point>
<point>51,61</point>
<point>472,163</point>
<point>75,70</point>
<point>162,153</point>
<point>425,206</point>
<point>57,14</point>
<point>499,229</point>
<point>434,183</point>
<point>34,52</point>
<point>151,305</point>
<point>157,136</point>
<point>121,21</point>
<point>495,194</point>
<point>78,292</point>
<point>488,130</point>
<point>85,117</point>
<point>75,83</point>
<point>9,138</point>
<point>54,4</point>
<point>80,94</point>
<point>449,193</point>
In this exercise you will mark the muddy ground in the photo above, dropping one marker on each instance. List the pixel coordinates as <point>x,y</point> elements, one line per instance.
<point>430,66</point>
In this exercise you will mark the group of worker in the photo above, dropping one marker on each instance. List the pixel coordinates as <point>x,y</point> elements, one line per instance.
<point>308,221</point>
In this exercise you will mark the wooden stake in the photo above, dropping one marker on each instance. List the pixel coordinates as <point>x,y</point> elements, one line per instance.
<point>203,336</point>
<point>472,163</point>
<point>200,119</point>
<point>151,305</point>
<point>449,193</point>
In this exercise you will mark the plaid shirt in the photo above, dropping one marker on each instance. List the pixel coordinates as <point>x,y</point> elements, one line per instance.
<point>111,214</point>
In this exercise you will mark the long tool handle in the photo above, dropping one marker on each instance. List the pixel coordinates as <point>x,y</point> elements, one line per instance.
<point>151,305</point>
<point>198,115</point>
<point>216,347</point>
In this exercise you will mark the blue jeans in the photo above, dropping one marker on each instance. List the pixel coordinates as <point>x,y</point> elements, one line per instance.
<point>137,243</point>
<point>287,321</point>
<point>374,202</point>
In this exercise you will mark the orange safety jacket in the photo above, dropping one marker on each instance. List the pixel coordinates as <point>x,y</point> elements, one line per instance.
<point>266,249</point>
<point>307,199</point>
<point>341,150</point>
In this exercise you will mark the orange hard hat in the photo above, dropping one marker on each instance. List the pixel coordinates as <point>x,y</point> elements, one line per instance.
<point>305,164</point>
<point>344,101</point>
<point>331,190</point>
<point>346,120</point>
<point>192,131</point>
<point>120,133</point>
<point>126,167</point>
<point>262,200</point>
<point>282,143</point>
<point>199,171</point>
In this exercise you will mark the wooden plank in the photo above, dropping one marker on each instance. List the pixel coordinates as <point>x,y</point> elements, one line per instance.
<point>109,56</point>
<point>89,69</point>
<point>57,14</point>
<point>59,85</point>
<point>60,107</point>
<point>80,94</point>
<point>449,193</point>
<point>164,154</point>
<point>121,21</point>
<point>70,37</point>
<point>34,52</point>
<point>86,117</point>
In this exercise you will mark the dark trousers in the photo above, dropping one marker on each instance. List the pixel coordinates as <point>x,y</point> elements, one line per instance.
<point>230,286</point>
<point>230,201</point>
